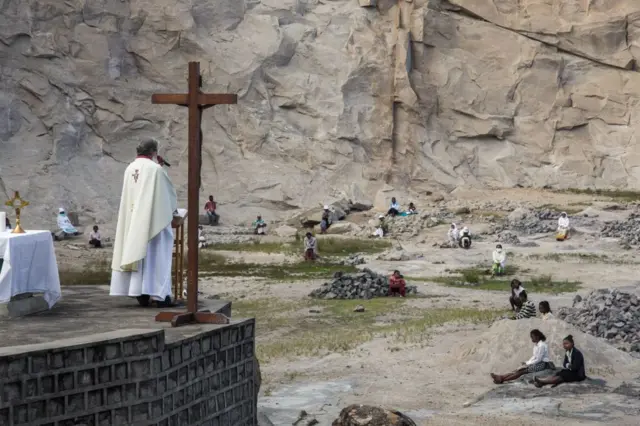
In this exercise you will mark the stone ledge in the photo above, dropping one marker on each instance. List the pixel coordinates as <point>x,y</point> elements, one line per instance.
<point>81,342</point>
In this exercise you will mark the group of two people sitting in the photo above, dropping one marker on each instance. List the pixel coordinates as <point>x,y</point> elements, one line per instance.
<point>459,237</point>
<point>394,209</point>
<point>573,369</point>
<point>523,307</point>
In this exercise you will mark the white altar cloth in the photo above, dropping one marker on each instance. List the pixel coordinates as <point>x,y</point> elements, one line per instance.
<point>29,266</point>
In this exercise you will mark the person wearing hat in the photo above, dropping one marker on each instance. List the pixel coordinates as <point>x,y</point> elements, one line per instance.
<point>499,260</point>
<point>65,226</point>
<point>325,223</point>
<point>382,228</point>
<point>310,247</point>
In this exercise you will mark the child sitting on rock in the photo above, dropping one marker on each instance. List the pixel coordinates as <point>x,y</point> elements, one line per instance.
<point>397,285</point>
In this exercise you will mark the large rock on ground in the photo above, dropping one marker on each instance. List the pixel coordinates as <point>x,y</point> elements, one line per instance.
<point>367,415</point>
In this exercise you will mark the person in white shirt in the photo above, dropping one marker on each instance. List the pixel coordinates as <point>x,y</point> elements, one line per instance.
<point>394,210</point>
<point>539,361</point>
<point>454,235</point>
<point>95,239</point>
<point>499,260</point>
<point>563,227</point>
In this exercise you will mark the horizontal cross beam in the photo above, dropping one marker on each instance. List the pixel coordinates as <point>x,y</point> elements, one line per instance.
<point>204,99</point>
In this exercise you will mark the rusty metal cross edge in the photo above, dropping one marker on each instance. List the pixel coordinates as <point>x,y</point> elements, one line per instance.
<point>195,101</point>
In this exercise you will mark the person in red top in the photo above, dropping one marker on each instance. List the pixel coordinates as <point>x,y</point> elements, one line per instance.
<point>397,285</point>
<point>210,208</point>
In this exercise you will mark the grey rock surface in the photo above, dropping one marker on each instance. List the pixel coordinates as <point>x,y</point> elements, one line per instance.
<point>364,285</point>
<point>611,314</point>
<point>334,98</point>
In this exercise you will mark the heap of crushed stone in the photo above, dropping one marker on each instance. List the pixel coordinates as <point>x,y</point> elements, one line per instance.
<point>506,345</point>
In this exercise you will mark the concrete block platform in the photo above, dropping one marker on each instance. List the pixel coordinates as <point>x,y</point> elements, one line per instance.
<point>88,309</point>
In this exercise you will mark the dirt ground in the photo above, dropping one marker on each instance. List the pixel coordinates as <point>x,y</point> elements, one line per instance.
<point>320,356</point>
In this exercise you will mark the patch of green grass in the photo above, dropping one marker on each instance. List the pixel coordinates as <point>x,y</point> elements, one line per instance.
<point>326,246</point>
<point>215,265</point>
<point>540,284</point>
<point>581,257</point>
<point>337,328</point>
<point>94,273</point>
<point>619,194</point>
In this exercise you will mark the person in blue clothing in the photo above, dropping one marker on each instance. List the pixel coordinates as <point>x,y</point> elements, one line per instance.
<point>572,367</point>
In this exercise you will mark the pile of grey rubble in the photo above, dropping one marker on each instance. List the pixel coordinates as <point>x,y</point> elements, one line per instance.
<point>611,314</point>
<point>363,285</point>
<point>627,231</point>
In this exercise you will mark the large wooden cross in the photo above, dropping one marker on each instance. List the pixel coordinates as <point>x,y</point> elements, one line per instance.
<point>196,102</point>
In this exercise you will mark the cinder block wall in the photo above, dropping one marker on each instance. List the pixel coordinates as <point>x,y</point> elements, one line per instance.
<point>132,377</point>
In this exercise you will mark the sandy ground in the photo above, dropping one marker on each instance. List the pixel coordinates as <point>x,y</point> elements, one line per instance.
<point>422,380</point>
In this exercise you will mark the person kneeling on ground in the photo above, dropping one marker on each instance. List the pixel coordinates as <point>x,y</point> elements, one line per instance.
<point>397,284</point>
<point>465,238</point>
<point>563,227</point>
<point>325,222</point>
<point>538,362</point>
<point>499,260</point>
<point>394,210</point>
<point>453,235</point>
<point>310,247</point>
<point>572,367</point>
<point>545,310</point>
<point>516,289</point>
<point>202,241</point>
<point>259,226</point>
<point>64,225</point>
<point>528,309</point>
<point>95,239</point>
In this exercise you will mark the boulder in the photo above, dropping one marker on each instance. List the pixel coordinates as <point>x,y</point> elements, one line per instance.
<point>341,228</point>
<point>367,415</point>
<point>286,231</point>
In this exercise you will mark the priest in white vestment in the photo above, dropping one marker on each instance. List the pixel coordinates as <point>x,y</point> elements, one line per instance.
<point>143,247</point>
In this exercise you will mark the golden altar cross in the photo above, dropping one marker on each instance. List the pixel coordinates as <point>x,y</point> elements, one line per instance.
<point>17,203</point>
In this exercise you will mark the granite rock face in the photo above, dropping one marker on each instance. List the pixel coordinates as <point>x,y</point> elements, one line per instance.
<point>336,99</point>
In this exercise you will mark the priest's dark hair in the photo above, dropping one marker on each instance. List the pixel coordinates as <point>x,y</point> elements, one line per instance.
<point>147,147</point>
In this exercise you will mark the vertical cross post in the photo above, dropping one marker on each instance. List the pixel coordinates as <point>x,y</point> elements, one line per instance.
<point>196,102</point>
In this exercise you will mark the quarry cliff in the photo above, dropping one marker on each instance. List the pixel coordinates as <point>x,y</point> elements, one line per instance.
<point>337,98</point>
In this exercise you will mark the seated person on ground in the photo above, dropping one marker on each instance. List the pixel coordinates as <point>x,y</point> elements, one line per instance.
<point>514,299</point>
<point>325,222</point>
<point>465,238</point>
<point>538,362</point>
<point>453,235</point>
<point>545,310</point>
<point>210,208</point>
<point>310,247</point>
<point>563,227</point>
<point>397,285</point>
<point>382,228</point>
<point>202,241</point>
<point>572,367</point>
<point>528,309</point>
<point>394,210</point>
<point>94,238</point>
<point>412,209</point>
<point>259,226</point>
<point>499,260</point>
<point>64,225</point>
